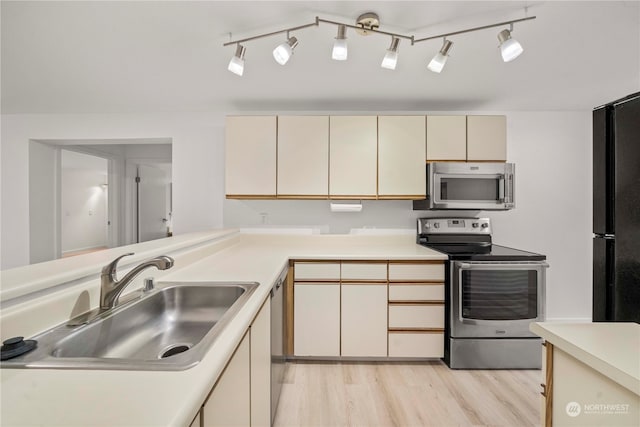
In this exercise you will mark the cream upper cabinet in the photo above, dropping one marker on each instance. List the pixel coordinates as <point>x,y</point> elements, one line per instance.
<point>303,156</point>
<point>353,156</point>
<point>486,138</point>
<point>401,153</point>
<point>446,138</point>
<point>250,156</point>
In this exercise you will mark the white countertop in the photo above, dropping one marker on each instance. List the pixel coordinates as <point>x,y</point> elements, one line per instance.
<point>118,398</point>
<point>613,349</point>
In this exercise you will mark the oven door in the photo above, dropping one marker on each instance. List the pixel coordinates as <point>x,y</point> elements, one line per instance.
<point>496,299</point>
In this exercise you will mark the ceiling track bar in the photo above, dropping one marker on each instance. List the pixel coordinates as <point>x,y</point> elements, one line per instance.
<point>484,27</point>
<point>373,30</point>
<point>286,30</point>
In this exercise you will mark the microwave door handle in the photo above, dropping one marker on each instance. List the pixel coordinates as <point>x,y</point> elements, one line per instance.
<point>508,198</point>
<point>501,189</point>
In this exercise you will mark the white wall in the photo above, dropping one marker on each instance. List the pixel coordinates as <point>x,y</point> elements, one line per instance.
<point>552,151</point>
<point>84,209</point>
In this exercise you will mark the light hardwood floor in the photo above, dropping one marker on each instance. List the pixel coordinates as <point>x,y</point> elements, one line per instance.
<point>406,394</point>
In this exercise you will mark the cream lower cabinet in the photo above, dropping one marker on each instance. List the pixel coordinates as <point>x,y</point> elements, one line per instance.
<point>229,404</point>
<point>261,367</point>
<point>401,153</point>
<point>196,421</point>
<point>574,394</point>
<point>316,319</point>
<point>416,309</point>
<point>364,319</point>
<point>242,395</point>
<point>369,309</point>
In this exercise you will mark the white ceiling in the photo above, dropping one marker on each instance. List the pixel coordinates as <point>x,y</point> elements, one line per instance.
<point>119,57</point>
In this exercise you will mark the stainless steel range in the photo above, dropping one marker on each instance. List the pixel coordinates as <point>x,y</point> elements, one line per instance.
<point>493,293</point>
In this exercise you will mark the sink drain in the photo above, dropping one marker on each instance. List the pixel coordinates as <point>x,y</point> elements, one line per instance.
<point>173,350</point>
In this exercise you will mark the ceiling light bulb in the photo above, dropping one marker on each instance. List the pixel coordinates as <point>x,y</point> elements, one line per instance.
<point>390,59</point>
<point>437,63</point>
<point>282,53</point>
<point>236,65</point>
<point>509,47</point>
<point>340,45</point>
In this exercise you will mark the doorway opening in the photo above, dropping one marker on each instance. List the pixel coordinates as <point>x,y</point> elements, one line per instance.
<point>70,192</point>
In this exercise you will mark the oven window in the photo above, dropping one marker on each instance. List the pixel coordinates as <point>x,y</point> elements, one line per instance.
<point>499,294</point>
<point>485,189</point>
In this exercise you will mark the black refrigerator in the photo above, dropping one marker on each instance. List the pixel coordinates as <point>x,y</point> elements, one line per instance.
<point>616,211</point>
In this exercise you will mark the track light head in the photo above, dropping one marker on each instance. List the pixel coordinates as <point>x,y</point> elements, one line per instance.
<point>509,47</point>
<point>437,63</point>
<point>282,53</point>
<point>236,65</point>
<point>339,52</point>
<point>390,59</point>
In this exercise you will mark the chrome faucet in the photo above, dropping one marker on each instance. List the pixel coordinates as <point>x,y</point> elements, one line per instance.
<point>111,288</point>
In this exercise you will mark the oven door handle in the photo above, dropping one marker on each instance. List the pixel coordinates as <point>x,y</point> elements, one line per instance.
<point>506,264</point>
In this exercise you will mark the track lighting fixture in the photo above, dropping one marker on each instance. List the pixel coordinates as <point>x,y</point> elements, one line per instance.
<point>339,52</point>
<point>390,59</point>
<point>368,24</point>
<point>236,65</point>
<point>282,53</point>
<point>437,63</point>
<point>509,47</point>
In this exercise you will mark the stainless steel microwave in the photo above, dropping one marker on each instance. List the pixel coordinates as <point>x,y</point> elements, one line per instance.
<point>478,186</point>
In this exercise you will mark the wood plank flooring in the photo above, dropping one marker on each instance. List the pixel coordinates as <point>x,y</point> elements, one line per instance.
<point>406,394</point>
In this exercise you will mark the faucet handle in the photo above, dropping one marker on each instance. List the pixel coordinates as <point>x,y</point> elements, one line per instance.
<point>110,269</point>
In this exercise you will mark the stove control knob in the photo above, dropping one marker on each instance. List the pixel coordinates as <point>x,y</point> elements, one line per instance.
<point>474,225</point>
<point>436,225</point>
<point>485,225</point>
<point>427,225</point>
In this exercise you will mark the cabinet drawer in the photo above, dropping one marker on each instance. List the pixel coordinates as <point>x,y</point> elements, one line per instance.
<point>415,292</point>
<point>416,272</point>
<point>316,271</point>
<point>416,344</point>
<point>364,271</point>
<point>416,316</point>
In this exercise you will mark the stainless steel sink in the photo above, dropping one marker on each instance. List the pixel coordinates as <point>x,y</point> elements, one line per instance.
<point>170,328</point>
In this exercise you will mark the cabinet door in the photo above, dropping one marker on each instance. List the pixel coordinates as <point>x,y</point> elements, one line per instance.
<point>353,157</point>
<point>364,320</point>
<point>229,403</point>
<point>446,138</point>
<point>487,138</point>
<point>303,156</point>
<point>261,367</point>
<point>401,154</point>
<point>250,156</point>
<point>316,319</point>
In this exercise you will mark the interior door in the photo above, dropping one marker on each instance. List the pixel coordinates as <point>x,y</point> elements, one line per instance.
<point>152,203</point>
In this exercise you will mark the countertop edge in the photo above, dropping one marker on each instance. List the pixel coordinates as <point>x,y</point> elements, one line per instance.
<point>602,366</point>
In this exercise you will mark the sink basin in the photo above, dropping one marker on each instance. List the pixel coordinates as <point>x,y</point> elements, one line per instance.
<point>170,328</point>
